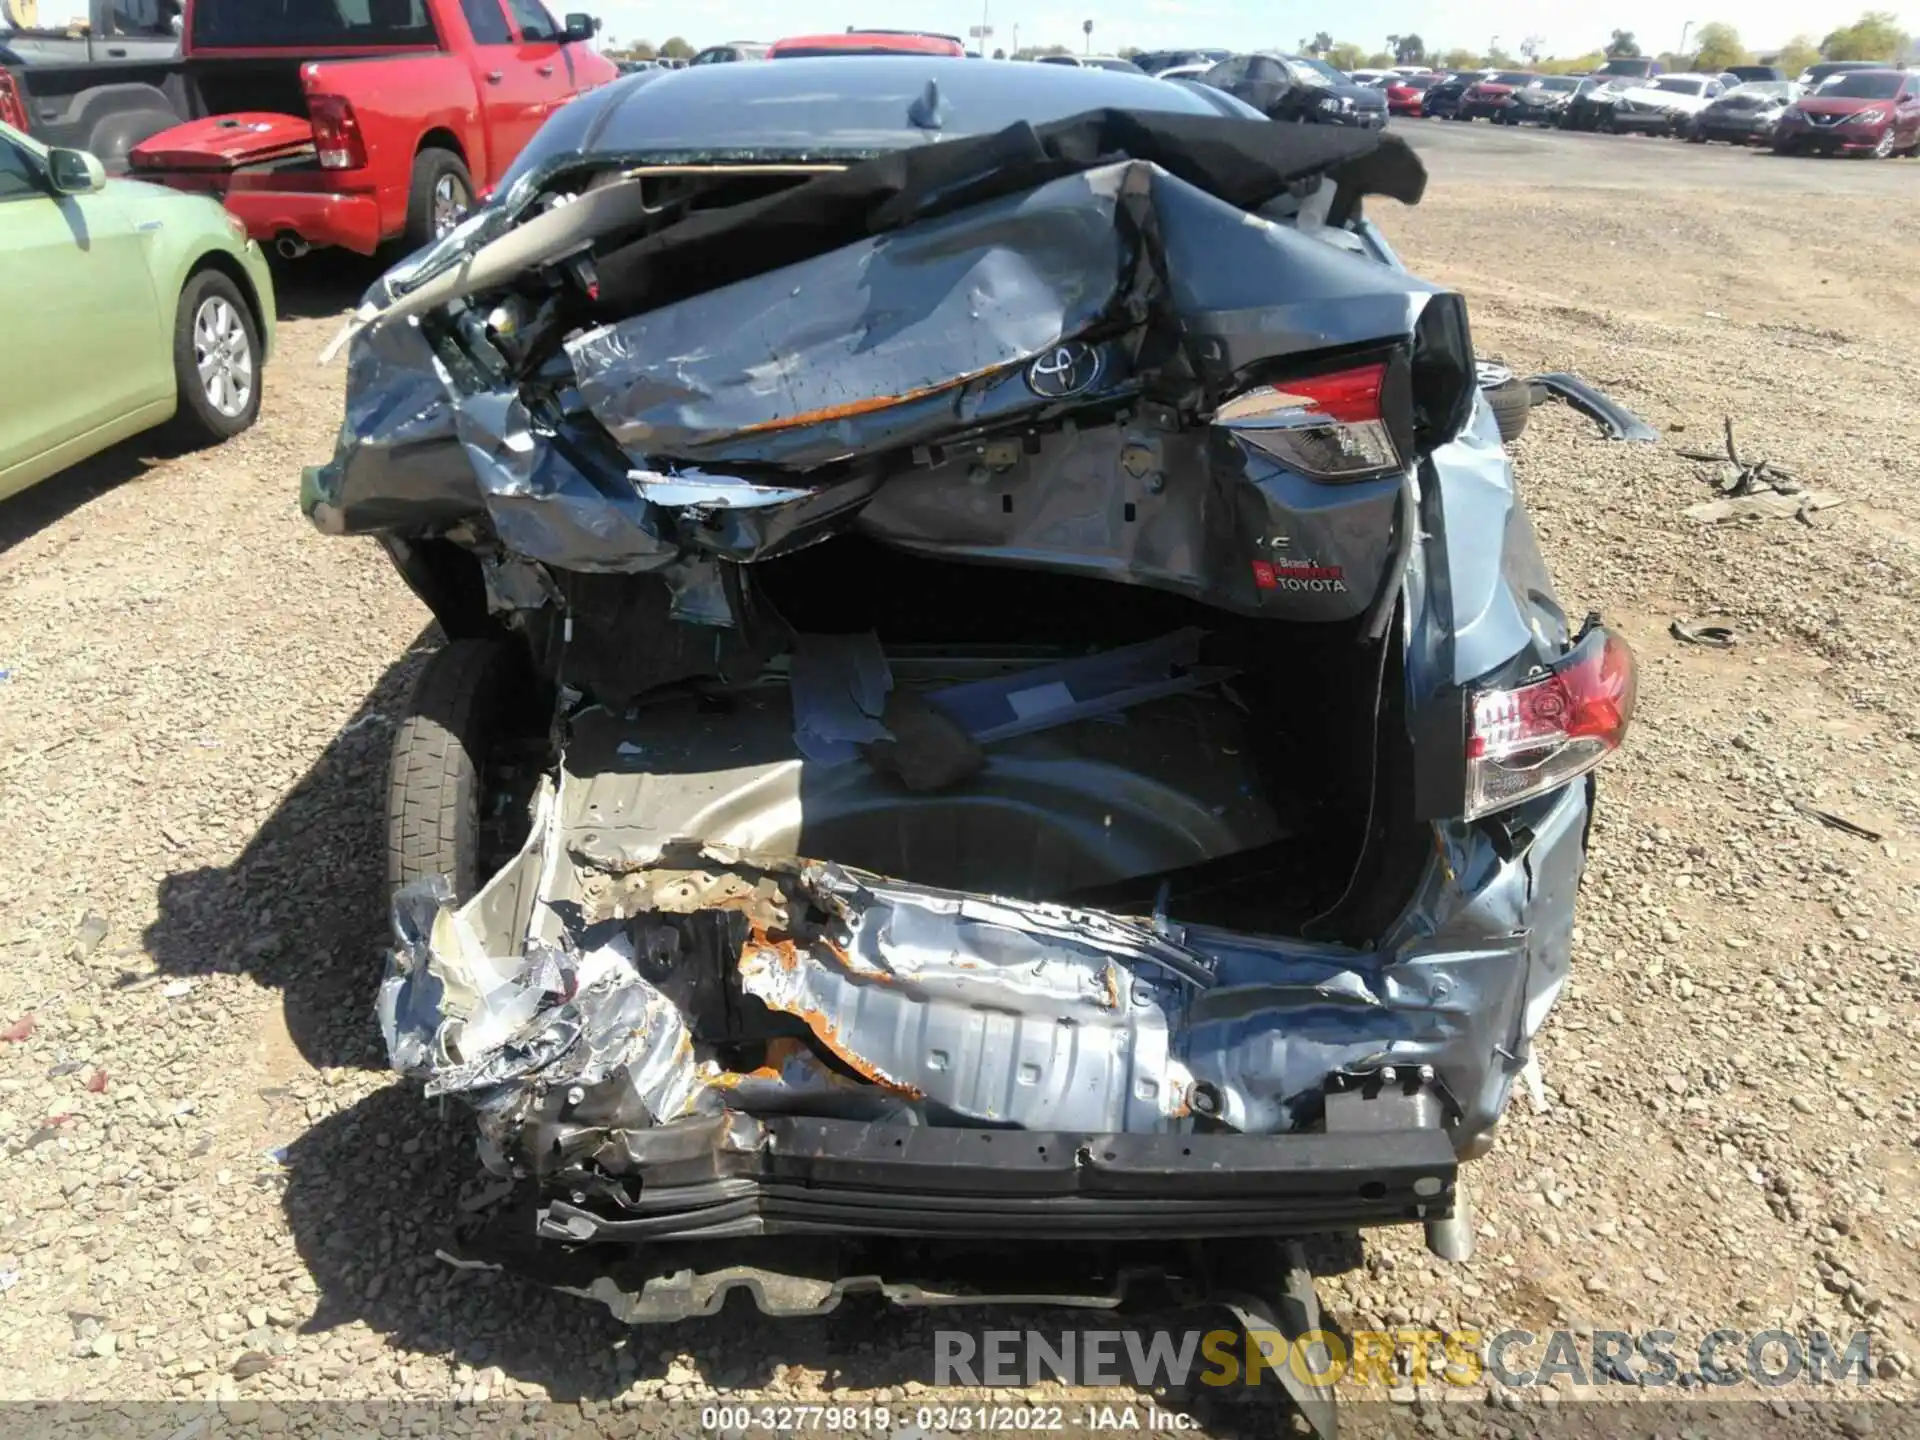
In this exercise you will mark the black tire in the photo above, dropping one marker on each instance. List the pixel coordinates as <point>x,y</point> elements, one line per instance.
<point>1512,403</point>
<point>430,167</point>
<point>201,418</point>
<point>472,697</point>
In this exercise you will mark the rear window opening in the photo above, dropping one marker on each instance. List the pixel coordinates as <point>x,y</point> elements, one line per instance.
<point>280,24</point>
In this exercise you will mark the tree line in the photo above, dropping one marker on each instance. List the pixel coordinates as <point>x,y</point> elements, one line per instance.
<point>1876,35</point>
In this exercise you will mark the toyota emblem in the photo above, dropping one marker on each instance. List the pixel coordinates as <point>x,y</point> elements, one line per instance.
<point>1065,370</point>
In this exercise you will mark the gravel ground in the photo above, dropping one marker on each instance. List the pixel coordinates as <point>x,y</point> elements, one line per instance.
<point>212,1188</point>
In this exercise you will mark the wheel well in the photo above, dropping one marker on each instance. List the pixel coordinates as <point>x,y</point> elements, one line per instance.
<point>441,140</point>
<point>236,272</point>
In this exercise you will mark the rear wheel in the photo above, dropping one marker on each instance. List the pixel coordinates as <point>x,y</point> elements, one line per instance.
<point>439,197</point>
<point>216,360</point>
<point>464,758</point>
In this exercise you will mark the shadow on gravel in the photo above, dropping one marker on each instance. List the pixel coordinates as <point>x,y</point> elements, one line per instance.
<point>58,496</point>
<point>303,908</point>
<point>327,282</point>
<point>372,1191</point>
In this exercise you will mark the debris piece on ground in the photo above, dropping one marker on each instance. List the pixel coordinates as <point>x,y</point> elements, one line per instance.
<point>1837,822</point>
<point>1720,637</point>
<point>20,1029</point>
<point>87,936</point>
<point>1764,507</point>
<point>1746,477</point>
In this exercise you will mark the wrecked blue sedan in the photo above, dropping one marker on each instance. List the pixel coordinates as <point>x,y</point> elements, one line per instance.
<point>999,687</point>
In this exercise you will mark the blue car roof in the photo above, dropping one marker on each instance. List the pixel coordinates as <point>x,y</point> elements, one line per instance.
<point>842,106</point>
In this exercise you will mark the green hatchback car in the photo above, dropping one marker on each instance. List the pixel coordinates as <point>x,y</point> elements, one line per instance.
<point>124,306</point>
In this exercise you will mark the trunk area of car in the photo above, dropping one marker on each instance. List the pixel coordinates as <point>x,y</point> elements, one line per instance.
<point>1028,734</point>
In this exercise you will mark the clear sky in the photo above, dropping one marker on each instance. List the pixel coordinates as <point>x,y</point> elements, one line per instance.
<point>1566,26</point>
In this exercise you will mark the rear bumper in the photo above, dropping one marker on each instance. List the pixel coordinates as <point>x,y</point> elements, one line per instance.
<point>1836,140</point>
<point>734,1176</point>
<point>351,222</point>
<point>1636,120</point>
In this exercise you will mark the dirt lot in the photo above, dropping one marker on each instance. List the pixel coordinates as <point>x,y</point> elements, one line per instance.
<point>205,1160</point>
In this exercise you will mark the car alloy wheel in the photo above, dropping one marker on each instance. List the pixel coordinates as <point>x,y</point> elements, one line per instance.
<point>451,202</point>
<point>1883,147</point>
<point>223,355</point>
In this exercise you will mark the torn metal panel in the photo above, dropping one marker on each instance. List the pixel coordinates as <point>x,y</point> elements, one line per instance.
<point>628,980</point>
<point>929,386</point>
<point>1619,422</point>
<point>839,344</point>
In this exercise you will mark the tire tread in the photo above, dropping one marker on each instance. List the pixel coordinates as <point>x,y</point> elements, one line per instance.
<point>433,814</point>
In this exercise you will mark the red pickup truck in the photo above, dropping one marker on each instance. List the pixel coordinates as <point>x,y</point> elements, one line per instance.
<point>357,122</point>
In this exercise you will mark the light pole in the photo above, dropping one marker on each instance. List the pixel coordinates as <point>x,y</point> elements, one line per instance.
<point>1684,29</point>
<point>1086,29</point>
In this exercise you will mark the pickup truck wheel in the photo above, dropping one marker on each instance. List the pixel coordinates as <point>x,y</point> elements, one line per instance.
<point>439,197</point>
<point>216,360</point>
<point>464,758</point>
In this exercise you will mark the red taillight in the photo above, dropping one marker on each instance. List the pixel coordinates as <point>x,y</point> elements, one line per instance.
<point>1327,427</point>
<point>336,132</point>
<point>13,105</point>
<point>1535,737</point>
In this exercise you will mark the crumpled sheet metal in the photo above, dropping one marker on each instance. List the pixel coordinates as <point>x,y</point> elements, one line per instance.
<point>850,335</point>
<point>968,1009</point>
<point>873,356</point>
<point>503,1031</point>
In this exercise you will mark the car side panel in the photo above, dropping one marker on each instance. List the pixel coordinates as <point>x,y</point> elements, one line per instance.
<point>193,230</point>
<point>398,100</point>
<point>79,299</point>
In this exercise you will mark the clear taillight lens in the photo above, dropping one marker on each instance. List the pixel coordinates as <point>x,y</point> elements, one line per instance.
<point>1533,738</point>
<point>1327,427</point>
<point>336,133</point>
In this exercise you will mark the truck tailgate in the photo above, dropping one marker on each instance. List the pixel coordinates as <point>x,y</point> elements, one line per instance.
<point>225,142</point>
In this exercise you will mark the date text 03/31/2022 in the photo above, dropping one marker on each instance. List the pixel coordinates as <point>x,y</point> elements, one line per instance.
<point>947,1419</point>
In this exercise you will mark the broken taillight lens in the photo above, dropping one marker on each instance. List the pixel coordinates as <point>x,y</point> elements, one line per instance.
<point>336,132</point>
<point>13,105</point>
<point>1327,427</point>
<point>1533,738</point>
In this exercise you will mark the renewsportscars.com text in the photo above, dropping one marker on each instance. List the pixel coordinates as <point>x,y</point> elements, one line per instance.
<point>1511,1359</point>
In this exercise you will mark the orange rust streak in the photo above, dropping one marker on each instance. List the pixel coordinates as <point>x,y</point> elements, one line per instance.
<point>867,406</point>
<point>788,953</point>
<point>823,1027</point>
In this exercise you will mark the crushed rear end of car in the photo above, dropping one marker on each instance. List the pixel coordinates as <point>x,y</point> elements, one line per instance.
<point>1058,729</point>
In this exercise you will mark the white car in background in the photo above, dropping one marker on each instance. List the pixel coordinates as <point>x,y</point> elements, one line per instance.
<point>1665,104</point>
<point>1372,77</point>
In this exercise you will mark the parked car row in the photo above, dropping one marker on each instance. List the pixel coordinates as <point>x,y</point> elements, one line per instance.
<point>1836,107</point>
